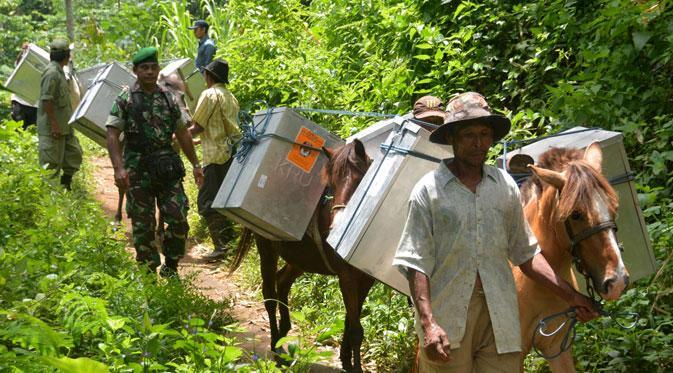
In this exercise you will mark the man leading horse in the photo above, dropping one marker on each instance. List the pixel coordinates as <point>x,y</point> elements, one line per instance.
<point>464,226</point>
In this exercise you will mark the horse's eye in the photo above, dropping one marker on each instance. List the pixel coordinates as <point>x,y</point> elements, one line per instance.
<point>576,215</point>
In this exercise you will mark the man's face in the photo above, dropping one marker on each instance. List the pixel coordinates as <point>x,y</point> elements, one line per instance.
<point>147,72</point>
<point>199,32</point>
<point>471,143</point>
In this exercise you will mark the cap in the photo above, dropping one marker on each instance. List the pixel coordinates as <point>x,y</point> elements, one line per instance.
<point>58,45</point>
<point>428,106</point>
<point>199,23</point>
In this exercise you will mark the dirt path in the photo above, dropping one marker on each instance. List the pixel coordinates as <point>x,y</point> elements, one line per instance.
<point>210,279</point>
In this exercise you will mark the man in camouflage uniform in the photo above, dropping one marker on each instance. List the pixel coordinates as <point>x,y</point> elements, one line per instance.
<point>151,170</point>
<point>59,148</point>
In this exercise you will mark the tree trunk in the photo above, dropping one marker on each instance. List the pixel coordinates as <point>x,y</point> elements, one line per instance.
<point>69,19</point>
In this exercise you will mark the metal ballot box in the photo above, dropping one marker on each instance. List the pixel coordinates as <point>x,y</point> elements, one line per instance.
<point>276,187</point>
<point>373,136</point>
<point>88,76</point>
<point>194,82</point>
<point>92,112</point>
<point>25,79</point>
<point>367,232</point>
<point>638,255</point>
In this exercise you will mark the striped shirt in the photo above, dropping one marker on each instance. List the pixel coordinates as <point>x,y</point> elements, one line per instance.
<point>452,234</point>
<point>217,113</point>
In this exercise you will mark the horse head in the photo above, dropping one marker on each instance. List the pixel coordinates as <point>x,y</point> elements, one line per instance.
<point>580,206</point>
<point>344,171</point>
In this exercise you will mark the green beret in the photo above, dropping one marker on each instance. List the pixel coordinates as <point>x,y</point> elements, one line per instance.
<point>59,45</point>
<point>147,54</point>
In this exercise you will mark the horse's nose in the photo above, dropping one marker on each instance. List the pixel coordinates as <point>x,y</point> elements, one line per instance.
<point>605,288</point>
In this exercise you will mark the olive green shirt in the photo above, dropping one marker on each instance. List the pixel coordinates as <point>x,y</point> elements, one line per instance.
<point>54,87</point>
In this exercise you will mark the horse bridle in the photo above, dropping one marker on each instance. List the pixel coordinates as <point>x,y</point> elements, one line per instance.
<point>364,171</point>
<point>575,240</point>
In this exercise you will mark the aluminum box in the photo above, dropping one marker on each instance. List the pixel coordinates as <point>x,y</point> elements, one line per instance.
<point>25,79</point>
<point>367,232</point>
<point>194,82</point>
<point>376,134</point>
<point>91,114</point>
<point>638,255</point>
<point>275,189</point>
<point>88,76</point>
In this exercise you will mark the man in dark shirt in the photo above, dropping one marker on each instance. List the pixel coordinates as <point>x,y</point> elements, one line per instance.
<point>207,46</point>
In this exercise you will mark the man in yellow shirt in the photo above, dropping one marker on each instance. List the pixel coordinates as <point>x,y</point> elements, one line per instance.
<point>215,119</point>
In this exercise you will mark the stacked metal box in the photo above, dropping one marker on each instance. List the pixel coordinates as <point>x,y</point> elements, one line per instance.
<point>25,79</point>
<point>92,112</point>
<point>194,82</point>
<point>367,232</point>
<point>88,76</point>
<point>276,187</point>
<point>638,255</point>
<point>376,134</point>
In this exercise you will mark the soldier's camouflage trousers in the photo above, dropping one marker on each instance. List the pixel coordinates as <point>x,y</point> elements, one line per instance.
<point>172,201</point>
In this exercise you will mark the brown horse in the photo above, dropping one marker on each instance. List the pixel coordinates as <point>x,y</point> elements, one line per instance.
<point>571,208</point>
<point>343,172</point>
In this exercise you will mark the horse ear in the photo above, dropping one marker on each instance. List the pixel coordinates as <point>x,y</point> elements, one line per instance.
<point>594,156</point>
<point>328,152</point>
<point>554,178</point>
<point>360,149</point>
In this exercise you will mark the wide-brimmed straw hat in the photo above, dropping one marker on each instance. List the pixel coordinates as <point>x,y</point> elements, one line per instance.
<point>468,108</point>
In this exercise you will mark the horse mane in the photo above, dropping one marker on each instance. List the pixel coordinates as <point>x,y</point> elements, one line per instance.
<point>342,158</point>
<point>581,182</point>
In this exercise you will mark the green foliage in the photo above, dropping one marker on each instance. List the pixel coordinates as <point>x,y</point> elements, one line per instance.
<point>72,298</point>
<point>547,65</point>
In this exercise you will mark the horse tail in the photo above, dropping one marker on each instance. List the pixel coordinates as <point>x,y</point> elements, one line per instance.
<point>244,244</point>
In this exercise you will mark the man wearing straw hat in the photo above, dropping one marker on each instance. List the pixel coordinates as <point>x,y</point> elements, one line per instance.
<point>464,225</point>
<point>215,119</point>
<point>150,170</point>
<point>59,148</point>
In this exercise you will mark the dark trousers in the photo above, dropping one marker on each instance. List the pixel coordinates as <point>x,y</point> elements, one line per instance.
<point>27,114</point>
<point>221,229</point>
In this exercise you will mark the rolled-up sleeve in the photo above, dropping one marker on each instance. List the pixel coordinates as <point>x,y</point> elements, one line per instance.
<point>48,86</point>
<point>522,241</point>
<point>416,248</point>
<point>115,119</point>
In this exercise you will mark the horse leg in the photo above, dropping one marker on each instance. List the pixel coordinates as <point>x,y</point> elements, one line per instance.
<point>285,278</point>
<point>268,262</point>
<point>366,282</point>
<point>564,363</point>
<point>354,286</point>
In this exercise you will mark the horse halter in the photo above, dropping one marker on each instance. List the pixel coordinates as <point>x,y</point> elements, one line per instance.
<point>575,240</point>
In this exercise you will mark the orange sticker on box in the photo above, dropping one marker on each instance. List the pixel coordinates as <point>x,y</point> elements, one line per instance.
<point>304,157</point>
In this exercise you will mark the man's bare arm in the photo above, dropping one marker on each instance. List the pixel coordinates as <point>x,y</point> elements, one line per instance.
<point>435,342</point>
<point>538,269</point>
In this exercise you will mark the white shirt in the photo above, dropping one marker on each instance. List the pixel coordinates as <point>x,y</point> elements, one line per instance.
<point>451,234</point>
